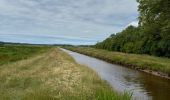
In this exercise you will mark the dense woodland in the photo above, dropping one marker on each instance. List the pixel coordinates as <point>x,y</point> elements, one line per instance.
<point>152,36</point>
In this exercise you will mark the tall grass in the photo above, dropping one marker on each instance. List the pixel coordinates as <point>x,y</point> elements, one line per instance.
<point>53,75</point>
<point>106,94</point>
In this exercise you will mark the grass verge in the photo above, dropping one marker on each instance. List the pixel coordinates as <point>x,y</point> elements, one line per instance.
<point>53,75</point>
<point>154,65</point>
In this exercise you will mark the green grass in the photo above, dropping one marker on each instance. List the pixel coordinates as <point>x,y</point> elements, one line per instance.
<point>137,61</point>
<point>52,75</point>
<point>12,53</point>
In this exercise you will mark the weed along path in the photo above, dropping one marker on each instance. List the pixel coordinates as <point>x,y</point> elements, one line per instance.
<point>144,86</point>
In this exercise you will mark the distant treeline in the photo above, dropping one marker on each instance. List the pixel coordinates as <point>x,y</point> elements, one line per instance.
<point>31,44</point>
<point>1,43</point>
<point>152,36</point>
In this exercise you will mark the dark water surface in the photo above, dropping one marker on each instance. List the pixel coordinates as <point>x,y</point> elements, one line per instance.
<point>144,86</point>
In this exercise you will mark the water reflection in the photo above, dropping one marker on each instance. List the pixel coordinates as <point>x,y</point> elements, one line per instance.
<point>144,86</point>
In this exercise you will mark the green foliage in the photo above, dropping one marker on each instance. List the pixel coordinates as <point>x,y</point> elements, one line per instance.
<point>152,36</point>
<point>107,94</point>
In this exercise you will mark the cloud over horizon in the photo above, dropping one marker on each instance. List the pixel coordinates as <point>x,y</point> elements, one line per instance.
<point>85,22</point>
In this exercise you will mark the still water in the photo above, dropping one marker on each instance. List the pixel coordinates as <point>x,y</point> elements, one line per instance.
<point>144,86</point>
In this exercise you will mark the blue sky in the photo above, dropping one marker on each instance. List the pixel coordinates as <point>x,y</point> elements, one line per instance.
<point>64,21</point>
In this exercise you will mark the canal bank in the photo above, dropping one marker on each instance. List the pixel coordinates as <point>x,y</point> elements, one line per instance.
<point>144,86</point>
<point>157,66</point>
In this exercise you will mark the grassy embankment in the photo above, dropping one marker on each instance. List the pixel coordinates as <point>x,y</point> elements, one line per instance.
<point>155,65</point>
<point>52,75</point>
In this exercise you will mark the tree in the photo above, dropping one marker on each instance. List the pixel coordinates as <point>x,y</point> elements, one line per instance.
<point>152,36</point>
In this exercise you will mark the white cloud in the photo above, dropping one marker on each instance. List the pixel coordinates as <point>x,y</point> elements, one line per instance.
<point>79,18</point>
<point>133,23</point>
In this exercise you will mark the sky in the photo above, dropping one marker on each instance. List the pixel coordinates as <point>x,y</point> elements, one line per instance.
<point>77,22</point>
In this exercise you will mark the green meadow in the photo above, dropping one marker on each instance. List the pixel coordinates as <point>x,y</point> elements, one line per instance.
<point>12,53</point>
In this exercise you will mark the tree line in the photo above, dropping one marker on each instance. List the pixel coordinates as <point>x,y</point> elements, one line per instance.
<point>152,36</point>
